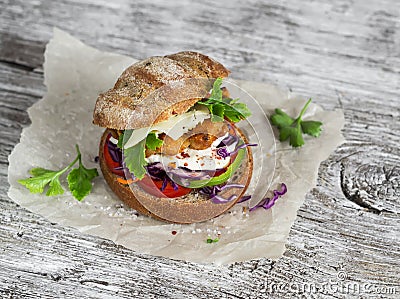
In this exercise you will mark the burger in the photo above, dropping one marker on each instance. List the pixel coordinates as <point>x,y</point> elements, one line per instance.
<point>171,148</point>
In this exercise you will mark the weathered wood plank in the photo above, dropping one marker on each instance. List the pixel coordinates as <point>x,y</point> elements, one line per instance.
<point>345,54</point>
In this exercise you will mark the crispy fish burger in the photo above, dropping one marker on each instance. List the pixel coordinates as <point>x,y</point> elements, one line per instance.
<point>171,149</point>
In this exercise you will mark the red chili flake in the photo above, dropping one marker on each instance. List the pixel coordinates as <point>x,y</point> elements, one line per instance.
<point>185,164</point>
<point>174,232</point>
<point>202,164</point>
<point>185,155</point>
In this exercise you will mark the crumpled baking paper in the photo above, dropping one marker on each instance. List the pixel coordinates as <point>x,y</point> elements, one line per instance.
<point>74,75</point>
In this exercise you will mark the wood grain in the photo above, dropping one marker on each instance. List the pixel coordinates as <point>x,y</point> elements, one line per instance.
<point>344,54</point>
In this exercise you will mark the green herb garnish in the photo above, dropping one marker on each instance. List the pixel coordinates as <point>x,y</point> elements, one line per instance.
<point>152,141</point>
<point>224,107</point>
<point>79,179</point>
<point>209,240</point>
<point>294,128</point>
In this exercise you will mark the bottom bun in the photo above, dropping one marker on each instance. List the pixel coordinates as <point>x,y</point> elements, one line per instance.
<point>190,208</point>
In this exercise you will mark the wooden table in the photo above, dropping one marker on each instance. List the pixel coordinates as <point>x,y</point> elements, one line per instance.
<point>346,55</point>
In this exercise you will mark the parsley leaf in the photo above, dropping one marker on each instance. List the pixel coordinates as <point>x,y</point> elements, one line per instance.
<point>224,107</point>
<point>152,141</point>
<point>134,158</point>
<point>236,111</point>
<point>55,187</point>
<point>80,179</point>
<point>217,112</point>
<point>209,240</point>
<point>293,129</point>
<point>293,134</point>
<point>311,127</point>
<point>216,92</point>
<point>42,178</point>
<point>281,119</point>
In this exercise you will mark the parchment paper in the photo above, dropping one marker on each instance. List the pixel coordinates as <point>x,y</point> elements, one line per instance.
<point>74,75</point>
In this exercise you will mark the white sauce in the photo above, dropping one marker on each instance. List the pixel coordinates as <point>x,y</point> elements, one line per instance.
<point>206,159</point>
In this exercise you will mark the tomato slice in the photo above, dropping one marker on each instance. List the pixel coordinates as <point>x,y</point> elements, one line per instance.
<point>153,187</point>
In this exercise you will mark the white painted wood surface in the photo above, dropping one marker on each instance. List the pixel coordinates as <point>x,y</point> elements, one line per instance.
<point>345,54</point>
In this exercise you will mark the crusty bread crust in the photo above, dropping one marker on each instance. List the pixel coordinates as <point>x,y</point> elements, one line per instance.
<point>187,209</point>
<point>152,90</point>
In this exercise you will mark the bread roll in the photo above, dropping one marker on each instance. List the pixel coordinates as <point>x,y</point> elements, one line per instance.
<point>151,90</point>
<point>190,208</point>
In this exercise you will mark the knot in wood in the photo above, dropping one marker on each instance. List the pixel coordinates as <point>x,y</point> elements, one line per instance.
<point>374,187</point>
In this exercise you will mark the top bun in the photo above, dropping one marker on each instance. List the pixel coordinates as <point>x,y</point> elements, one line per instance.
<point>154,89</point>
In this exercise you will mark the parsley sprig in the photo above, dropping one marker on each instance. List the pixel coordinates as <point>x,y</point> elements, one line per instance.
<point>293,129</point>
<point>79,179</point>
<point>224,107</point>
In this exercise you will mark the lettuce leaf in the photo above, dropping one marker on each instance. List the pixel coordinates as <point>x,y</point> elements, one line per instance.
<point>134,158</point>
